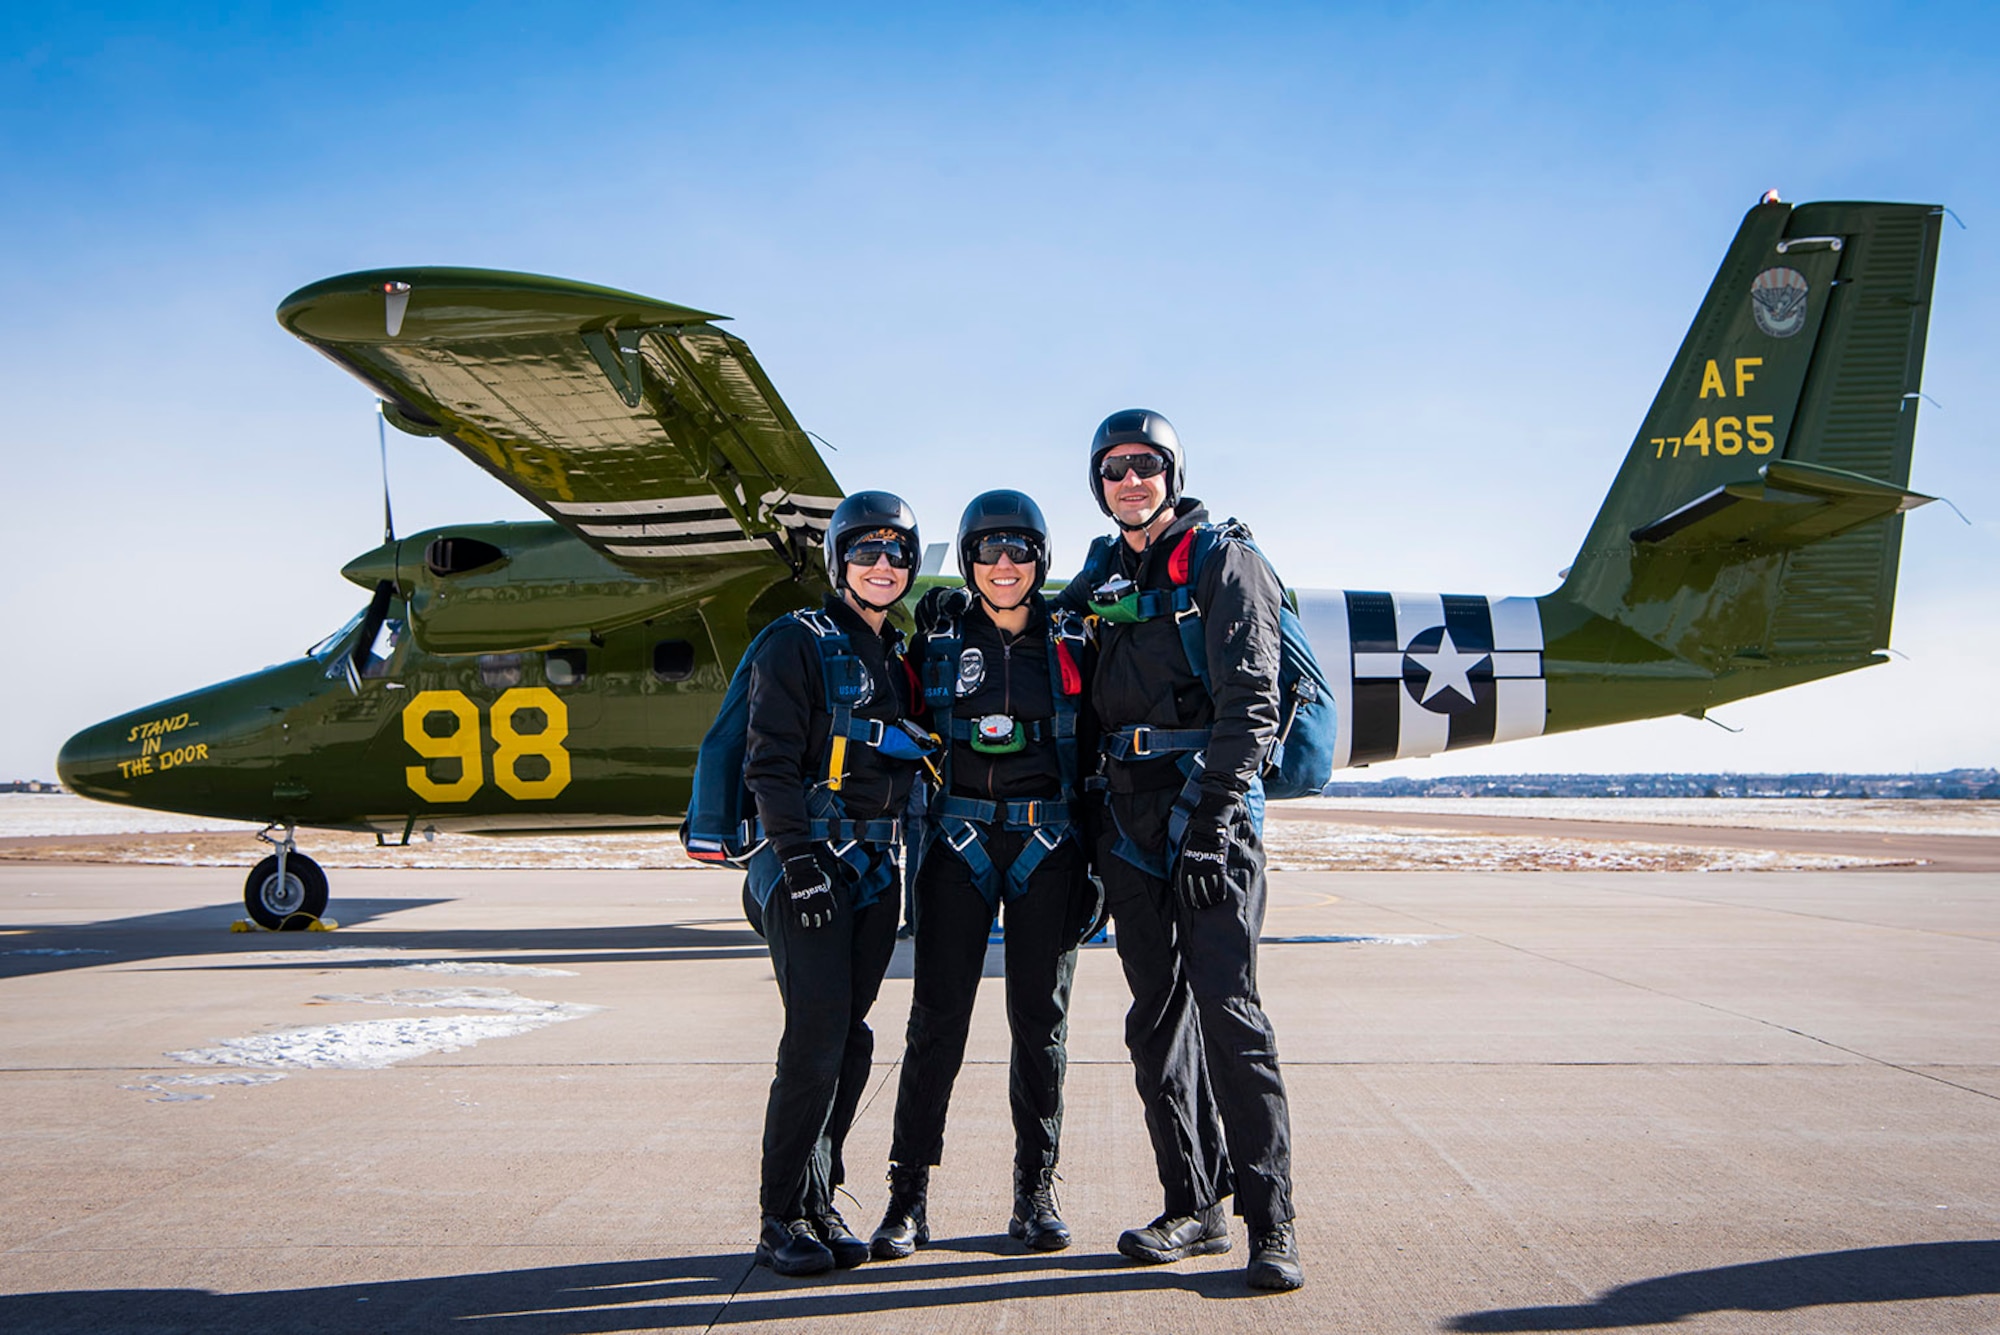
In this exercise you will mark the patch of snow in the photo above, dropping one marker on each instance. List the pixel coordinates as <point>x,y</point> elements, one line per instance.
<point>488,969</point>
<point>463,998</point>
<point>324,954</point>
<point>371,1045</point>
<point>1352,940</point>
<point>180,1088</point>
<point>1909,816</point>
<point>1312,846</point>
<point>27,815</point>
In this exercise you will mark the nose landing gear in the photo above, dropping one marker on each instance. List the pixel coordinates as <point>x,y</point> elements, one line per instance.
<point>286,892</point>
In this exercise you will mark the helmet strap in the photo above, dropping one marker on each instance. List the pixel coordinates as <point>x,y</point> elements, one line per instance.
<point>853,593</point>
<point>1148,521</point>
<point>992,606</point>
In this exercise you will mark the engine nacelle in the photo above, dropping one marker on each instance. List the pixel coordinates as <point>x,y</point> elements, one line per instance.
<point>498,588</point>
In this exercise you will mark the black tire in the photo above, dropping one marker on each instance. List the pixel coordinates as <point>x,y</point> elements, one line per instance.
<point>295,906</point>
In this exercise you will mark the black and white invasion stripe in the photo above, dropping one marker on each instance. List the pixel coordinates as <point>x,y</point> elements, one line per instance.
<point>670,526</point>
<point>1418,673</point>
<point>794,511</point>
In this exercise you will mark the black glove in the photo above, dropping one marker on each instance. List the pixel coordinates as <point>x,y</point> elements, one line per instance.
<point>808,890</point>
<point>1201,872</point>
<point>940,605</point>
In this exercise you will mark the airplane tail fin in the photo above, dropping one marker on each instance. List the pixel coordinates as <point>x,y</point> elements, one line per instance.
<point>1757,520</point>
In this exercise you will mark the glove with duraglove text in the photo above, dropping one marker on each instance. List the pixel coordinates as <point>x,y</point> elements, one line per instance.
<point>1201,873</point>
<point>808,890</point>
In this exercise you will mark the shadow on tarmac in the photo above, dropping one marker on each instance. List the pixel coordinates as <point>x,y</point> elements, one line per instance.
<point>184,934</point>
<point>1908,1273</point>
<point>668,1294</point>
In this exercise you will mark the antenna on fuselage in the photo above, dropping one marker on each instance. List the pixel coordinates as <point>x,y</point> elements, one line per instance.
<point>382,442</point>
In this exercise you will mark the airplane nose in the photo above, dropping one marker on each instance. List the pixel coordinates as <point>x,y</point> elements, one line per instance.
<point>203,753</point>
<point>82,766</point>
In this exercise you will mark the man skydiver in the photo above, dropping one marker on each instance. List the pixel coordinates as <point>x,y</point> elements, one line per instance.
<point>1181,854</point>
<point>1007,681</point>
<point>830,760</point>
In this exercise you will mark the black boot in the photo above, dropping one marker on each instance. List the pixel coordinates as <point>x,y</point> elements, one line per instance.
<point>833,1233</point>
<point>904,1228</point>
<point>1177,1237</point>
<point>789,1247</point>
<point>1274,1259</point>
<point>1036,1221</point>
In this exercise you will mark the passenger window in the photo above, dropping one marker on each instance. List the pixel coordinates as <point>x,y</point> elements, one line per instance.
<point>673,660</point>
<point>497,672</point>
<point>564,667</point>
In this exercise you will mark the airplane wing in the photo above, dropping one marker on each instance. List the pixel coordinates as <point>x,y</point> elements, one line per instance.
<point>640,426</point>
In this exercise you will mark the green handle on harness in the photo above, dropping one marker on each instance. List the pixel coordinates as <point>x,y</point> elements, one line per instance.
<point>1117,610</point>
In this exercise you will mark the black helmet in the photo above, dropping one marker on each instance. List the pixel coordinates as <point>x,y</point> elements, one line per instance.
<point>1003,512</point>
<point>1137,426</point>
<point>861,514</point>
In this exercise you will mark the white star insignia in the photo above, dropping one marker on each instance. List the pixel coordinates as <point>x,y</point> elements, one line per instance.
<point>1449,669</point>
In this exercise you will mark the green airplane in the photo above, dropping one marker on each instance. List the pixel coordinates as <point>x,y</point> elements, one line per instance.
<point>558,676</point>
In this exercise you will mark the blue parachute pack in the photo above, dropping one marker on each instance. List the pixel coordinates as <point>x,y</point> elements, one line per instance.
<point>721,825</point>
<point>1301,758</point>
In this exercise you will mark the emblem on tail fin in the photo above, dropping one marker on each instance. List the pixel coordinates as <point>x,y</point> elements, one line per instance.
<point>1778,301</point>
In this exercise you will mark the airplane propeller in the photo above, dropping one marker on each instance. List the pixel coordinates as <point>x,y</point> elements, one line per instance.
<point>385,590</point>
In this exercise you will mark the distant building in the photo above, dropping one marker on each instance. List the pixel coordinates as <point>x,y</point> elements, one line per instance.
<point>1980,784</point>
<point>31,786</point>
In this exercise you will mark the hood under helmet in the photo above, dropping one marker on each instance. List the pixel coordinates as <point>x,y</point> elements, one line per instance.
<point>859,515</point>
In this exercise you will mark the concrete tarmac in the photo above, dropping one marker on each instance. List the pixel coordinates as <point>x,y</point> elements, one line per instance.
<point>1521,1102</point>
<point>1924,852</point>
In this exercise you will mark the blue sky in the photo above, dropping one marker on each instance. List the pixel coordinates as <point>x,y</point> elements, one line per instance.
<point>1405,276</point>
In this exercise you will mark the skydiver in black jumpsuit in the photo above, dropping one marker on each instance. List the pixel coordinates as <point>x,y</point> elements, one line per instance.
<point>825,883</point>
<point>1186,891</point>
<point>1004,834</point>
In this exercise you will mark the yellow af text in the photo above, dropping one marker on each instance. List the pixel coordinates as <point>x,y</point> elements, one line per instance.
<point>1711,377</point>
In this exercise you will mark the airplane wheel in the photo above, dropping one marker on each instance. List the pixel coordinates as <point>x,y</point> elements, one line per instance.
<point>291,907</point>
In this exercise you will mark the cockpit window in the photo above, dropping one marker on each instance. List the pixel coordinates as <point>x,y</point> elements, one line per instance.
<point>330,646</point>
<point>335,651</point>
<point>384,648</point>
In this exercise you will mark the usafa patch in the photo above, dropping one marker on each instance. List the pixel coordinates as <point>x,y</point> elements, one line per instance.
<point>864,685</point>
<point>1778,301</point>
<point>971,671</point>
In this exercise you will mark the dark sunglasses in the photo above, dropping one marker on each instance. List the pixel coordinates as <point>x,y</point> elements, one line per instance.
<point>866,551</point>
<point>1115,467</point>
<point>1020,548</point>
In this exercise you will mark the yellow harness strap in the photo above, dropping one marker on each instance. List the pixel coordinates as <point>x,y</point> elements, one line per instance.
<point>836,763</point>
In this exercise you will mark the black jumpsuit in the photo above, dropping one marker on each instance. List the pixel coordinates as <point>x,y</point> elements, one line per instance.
<point>828,976</point>
<point>1006,675</point>
<point>1196,1022</point>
